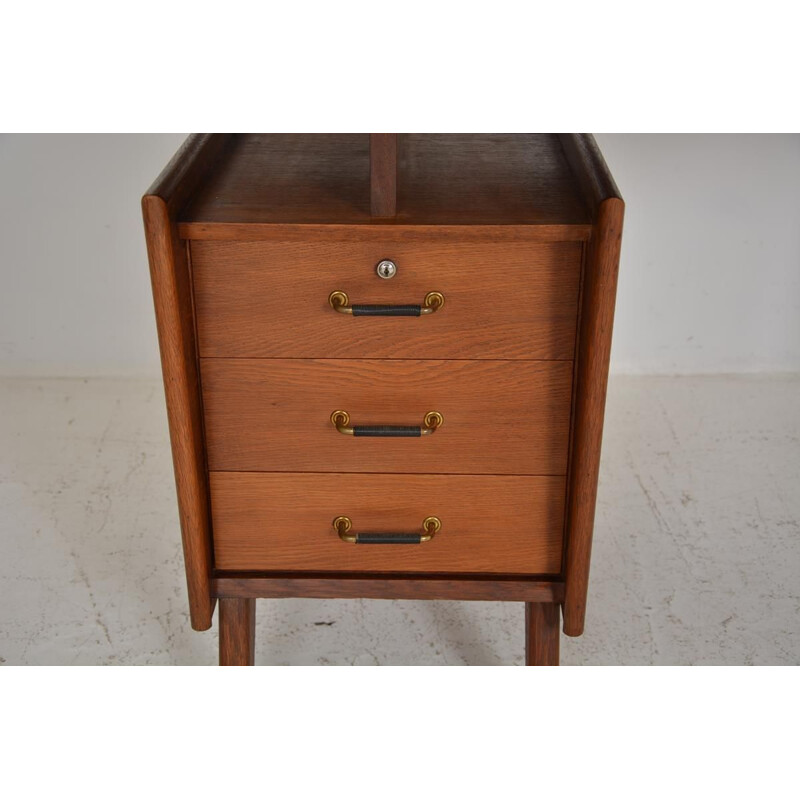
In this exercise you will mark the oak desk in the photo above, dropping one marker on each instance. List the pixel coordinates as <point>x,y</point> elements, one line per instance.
<point>385,360</point>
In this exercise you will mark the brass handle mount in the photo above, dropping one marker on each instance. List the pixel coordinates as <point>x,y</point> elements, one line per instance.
<point>430,423</point>
<point>430,527</point>
<point>339,301</point>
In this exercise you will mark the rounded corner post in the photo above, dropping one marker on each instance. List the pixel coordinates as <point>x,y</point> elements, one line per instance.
<point>169,273</point>
<point>593,358</point>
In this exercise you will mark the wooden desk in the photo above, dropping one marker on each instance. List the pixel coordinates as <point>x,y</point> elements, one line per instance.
<point>425,428</point>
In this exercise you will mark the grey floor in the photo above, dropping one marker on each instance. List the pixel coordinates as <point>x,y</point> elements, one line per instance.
<point>696,559</point>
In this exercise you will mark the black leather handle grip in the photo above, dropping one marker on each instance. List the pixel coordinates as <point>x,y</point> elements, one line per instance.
<point>388,538</point>
<point>343,526</point>
<point>430,423</point>
<point>386,311</point>
<point>339,301</point>
<point>387,430</point>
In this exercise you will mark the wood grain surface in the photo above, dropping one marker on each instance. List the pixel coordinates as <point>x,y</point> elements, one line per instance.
<point>441,179</point>
<point>475,178</point>
<point>500,417</point>
<point>270,300</point>
<point>490,524</point>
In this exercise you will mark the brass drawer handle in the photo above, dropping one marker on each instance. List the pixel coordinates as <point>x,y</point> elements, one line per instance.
<point>430,526</point>
<point>431,421</point>
<point>339,301</point>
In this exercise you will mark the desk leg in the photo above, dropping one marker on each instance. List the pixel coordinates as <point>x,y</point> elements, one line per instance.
<point>542,634</point>
<point>237,632</point>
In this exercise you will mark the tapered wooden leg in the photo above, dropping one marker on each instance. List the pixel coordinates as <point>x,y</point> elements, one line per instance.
<point>542,634</point>
<point>237,632</point>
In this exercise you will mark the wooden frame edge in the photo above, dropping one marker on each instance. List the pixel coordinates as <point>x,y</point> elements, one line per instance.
<point>379,232</point>
<point>397,587</point>
<point>169,274</point>
<point>192,161</point>
<point>589,168</point>
<point>593,357</point>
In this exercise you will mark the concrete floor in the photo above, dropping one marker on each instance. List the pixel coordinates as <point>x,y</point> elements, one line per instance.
<point>696,558</point>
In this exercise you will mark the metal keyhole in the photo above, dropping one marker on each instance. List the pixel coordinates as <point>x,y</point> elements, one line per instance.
<point>386,269</point>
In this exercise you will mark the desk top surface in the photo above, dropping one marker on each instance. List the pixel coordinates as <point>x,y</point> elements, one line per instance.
<point>442,179</point>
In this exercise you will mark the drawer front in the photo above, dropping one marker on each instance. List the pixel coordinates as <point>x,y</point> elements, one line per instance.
<point>489,524</point>
<point>270,299</point>
<point>502,417</point>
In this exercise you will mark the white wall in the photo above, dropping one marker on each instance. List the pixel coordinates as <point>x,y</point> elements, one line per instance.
<point>710,268</point>
<point>75,294</point>
<point>709,281</point>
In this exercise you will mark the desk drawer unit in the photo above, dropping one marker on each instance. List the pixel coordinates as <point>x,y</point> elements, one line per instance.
<point>408,406</point>
<point>488,523</point>
<point>504,417</point>
<point>271,299</point>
